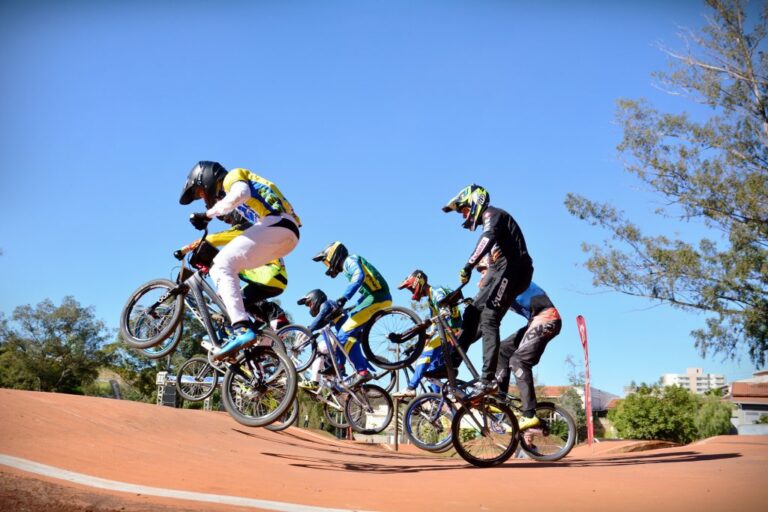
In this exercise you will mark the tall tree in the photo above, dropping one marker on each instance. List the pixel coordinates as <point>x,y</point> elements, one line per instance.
<point>51,348</point>
<point>713,171</point>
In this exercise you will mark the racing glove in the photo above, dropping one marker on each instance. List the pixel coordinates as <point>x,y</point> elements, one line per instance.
<point>464,275</point>
<point>199,220</point>
<point>341,301</point>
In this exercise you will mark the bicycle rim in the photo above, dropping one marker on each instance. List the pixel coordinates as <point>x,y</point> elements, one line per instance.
<point>428,423</point>
<point>196,379</point>
<point>485,435</point>
<point>260,387</point>
<point>553,438</point>
<point>371,412</point>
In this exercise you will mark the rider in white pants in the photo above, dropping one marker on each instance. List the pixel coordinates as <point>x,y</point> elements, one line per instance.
<point>275,233</point>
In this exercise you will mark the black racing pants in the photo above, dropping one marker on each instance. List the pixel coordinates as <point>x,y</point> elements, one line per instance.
<point>484,316</point>
<point>522,351</point>
<point>255,297</point>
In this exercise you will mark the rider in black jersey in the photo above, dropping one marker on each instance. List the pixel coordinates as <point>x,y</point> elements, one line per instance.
<point>509,274</point>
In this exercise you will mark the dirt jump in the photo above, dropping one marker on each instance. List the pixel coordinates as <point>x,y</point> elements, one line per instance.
<point>73,453</point>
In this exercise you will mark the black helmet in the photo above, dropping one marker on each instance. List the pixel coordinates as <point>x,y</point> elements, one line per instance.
<point>416,283</point>
<point>313,300</point>
<point>206,178</point>
<point>333,257</point>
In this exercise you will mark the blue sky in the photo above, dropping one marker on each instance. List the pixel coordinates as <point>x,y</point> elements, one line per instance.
<point>368,115</point>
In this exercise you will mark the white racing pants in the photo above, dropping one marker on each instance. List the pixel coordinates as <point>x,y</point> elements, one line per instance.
<point>256,246</point>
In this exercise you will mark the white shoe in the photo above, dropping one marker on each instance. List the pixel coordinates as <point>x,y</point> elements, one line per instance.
<point>406,393</point>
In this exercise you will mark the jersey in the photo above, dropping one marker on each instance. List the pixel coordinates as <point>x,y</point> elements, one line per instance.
<point>364,277</point>
<point>531,302</point>
<point>436,294</point>
<point>502,234</point>
<point>266,199</point>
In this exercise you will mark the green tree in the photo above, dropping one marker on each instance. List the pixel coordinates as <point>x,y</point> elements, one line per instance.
<point>51,348</point>
<point>710,168</point>
<point>657,413</point>
<point>713,417</point>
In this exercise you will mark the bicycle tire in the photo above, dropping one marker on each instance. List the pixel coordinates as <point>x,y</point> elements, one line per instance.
<point>335,417</point>
<point>426,429</point>
<point>389,378</point>
<point>196,379</point>
<point>496,432</point>
<point>554,438</point>
<point>362,417</point>
<point>165,347</point>
<point>377,338</point>
<point>260,386</point>
<point>286,420</point>
<point>136,328</point>
<point>299,344</point>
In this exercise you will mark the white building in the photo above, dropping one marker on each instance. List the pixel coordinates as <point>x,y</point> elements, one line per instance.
<point>694,379</point>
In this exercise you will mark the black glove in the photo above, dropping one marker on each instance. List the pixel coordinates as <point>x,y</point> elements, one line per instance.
<point>340,302</point>
<point>178,254</point>
<point>199,220</point>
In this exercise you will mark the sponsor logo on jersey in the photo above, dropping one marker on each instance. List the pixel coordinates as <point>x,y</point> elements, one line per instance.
<point>478,251</point>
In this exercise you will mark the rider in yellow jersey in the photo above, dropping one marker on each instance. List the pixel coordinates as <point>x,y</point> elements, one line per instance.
<point>274,234</point>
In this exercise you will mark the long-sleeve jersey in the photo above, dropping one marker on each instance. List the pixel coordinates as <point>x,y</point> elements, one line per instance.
<point>320,320</point>
<point>436,294</point>
<point>253,196</point>
<point>364,277</point>
<point>500,232</point>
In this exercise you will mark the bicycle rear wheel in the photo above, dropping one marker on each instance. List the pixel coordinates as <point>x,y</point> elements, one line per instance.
<point>555,436</point>
<point>335,416</point>
<point>427,422</point>
<point>260,386</point>
<point>300,345</point>
<point>151,314</point>
<point>389,340</point>
<point>286,420</point>
<point>370,410</point>
<point>486,434</point>
<point>196,379</point>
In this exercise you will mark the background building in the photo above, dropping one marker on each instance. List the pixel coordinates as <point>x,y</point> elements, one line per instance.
<point>694,379</point>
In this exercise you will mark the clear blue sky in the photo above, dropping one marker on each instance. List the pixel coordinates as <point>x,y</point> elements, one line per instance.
<point>368,115</point>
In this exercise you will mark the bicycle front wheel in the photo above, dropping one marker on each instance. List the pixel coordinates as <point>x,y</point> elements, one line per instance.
<point>165,347</point>
<point>553,438</point>
<point>390,340</point>
<point>151,314</point>
<point>369,410</point>
<point>300,345</point>
<point>486,434</point>
<point>260,386</point>
<point>196,379</point>
<point>427,422</point>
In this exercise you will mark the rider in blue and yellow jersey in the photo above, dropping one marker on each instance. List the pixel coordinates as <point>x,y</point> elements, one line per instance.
<point>274,233</point>
<point>262,283</point>
<point>319,307</point>
<point>431,359</point>
<point>374,296</point>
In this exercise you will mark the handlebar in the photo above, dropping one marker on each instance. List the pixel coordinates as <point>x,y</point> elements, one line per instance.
<point>453,298</point>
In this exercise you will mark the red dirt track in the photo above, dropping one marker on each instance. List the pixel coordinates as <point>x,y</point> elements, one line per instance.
<point>208,452</point>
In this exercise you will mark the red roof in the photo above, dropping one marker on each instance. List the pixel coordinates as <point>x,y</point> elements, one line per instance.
<point>612,404</point>
<point>750,392</point>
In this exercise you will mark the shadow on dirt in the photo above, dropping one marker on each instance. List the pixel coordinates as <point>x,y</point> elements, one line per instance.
<point>329,464</point>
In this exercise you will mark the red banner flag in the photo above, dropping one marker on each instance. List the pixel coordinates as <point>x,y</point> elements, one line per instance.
<point>587,390</point>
